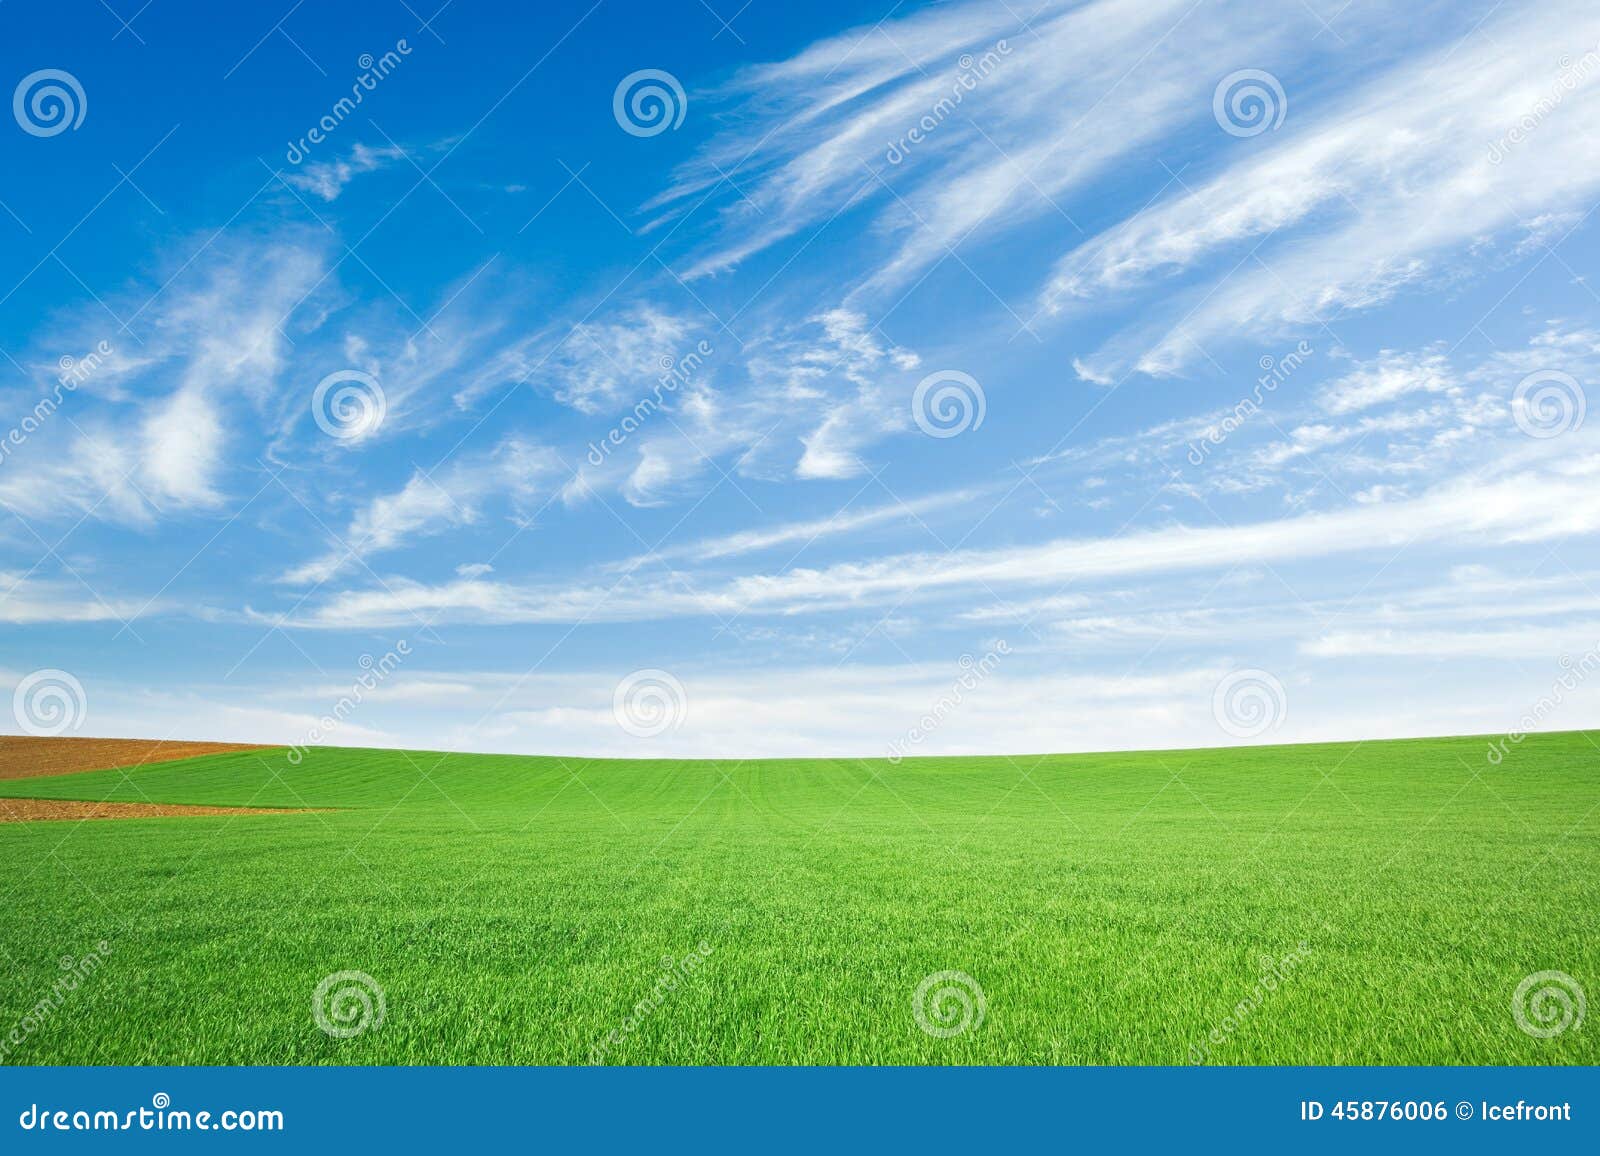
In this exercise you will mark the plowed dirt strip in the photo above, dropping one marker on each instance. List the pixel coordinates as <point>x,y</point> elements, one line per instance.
<point>31,810</point>
<point>23,757</point>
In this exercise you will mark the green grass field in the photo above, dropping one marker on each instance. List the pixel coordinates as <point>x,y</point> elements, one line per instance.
<point>1113,908</point>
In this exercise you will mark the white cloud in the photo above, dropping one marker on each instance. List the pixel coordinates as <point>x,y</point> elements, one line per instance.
<point>1373,194</point>
<point>855,710</point>
<point>1483,510</point>
<point>1468,511</point>
<point>602,364</point>
<point>427,505</point>
<point>26,599</point>
<point>1039,110</point>
<point>840,365</point>
<point>153,436</point>
<point>183,442</point>
<point>802,399</point>
<point>1306,440</point>
<point>1520,641</point>
<point>327,179</point>
<point>1390,376</point>
<point>845,521</point>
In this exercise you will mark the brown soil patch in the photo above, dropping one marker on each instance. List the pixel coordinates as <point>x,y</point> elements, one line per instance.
<point>31,810</point>
<point>24,757</point>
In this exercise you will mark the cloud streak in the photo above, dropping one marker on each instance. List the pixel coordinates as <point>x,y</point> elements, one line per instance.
<point>1350,204</point>
<point>1480,511</point>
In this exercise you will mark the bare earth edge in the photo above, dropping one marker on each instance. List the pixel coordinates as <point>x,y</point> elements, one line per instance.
<point>31,810</point>
<point>24,757</point>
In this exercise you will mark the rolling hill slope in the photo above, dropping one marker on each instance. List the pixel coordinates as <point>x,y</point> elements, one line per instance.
<point>1119,908</point>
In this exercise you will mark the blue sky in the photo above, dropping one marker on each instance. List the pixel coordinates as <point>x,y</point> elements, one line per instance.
<point>799,379</point>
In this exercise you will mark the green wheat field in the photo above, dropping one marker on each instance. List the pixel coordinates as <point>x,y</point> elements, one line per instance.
<point>1098,909</point>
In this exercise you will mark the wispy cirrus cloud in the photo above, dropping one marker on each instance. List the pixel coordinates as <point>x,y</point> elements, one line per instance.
<point>428,505</point>
<point>801,533</point>
<point>801,399</point>
<point>1361,196</point>
<point>152,435</point>
<point>28,599</point>
<point>1013,115</point>
<point>327,179</point>
<point>1388,378</point>
<point>1489,510</point>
